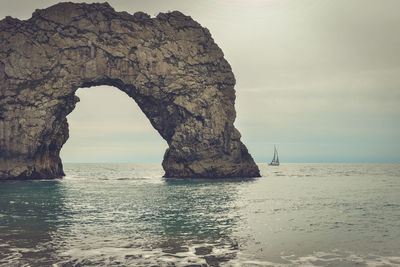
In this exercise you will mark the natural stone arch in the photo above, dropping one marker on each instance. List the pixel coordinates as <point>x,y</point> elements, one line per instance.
<point>169,65</point>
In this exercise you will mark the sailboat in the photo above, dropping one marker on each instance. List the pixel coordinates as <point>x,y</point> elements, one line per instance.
<point>275,159</point>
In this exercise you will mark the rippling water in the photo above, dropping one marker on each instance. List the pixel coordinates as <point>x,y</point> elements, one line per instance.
<point>127,215</point>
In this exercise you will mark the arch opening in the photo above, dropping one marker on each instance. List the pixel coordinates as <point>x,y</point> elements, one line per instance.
<point>108,126</point>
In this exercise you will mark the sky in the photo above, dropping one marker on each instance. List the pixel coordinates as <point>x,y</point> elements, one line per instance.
<point>320,79</point>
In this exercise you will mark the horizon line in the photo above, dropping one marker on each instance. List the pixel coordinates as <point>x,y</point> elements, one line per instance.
<point>291,162</point>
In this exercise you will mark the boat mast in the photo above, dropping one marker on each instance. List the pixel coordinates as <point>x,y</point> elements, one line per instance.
<point>277,157</point>
<point>274,158</point>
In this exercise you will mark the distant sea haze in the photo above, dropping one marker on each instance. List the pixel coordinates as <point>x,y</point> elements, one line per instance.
<point>105,214</point>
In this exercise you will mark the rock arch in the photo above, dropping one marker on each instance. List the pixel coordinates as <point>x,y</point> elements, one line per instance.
<point>169,65</point>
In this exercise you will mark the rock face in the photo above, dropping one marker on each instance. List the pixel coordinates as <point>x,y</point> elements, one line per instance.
<point>169,65</point>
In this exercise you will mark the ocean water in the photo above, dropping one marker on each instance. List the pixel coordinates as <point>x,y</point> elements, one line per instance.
<point>128,215</point>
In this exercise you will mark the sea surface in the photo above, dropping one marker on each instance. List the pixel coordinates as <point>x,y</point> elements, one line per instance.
<point>128,215</point>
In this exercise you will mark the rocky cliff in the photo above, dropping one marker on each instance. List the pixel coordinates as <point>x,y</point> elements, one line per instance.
<point>169,65</point>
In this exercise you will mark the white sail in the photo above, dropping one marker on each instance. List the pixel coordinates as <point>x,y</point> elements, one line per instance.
<point>275,159</point>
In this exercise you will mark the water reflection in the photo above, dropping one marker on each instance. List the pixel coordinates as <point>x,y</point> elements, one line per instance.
<point>101,219</point>
<point>197,212</point>
<point>30,211</point>
<point>90,220</point>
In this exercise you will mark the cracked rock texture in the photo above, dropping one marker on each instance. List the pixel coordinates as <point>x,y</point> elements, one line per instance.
<point>169,65</point>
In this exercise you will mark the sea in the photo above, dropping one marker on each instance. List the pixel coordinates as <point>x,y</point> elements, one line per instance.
<point>109,214</point>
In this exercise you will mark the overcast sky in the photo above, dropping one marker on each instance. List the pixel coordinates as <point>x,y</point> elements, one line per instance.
<point>318,78</point>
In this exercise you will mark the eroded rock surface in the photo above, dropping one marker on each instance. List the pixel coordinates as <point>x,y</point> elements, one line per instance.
<point>169,65</point>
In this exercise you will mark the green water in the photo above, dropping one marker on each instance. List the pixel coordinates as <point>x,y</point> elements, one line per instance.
<point>127,215</point>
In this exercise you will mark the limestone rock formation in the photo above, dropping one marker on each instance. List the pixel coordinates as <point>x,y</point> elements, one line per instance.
<point>169,65</point>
